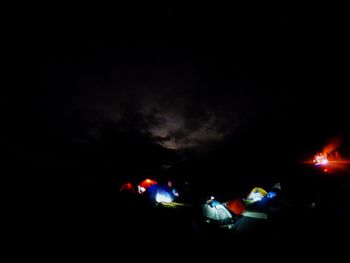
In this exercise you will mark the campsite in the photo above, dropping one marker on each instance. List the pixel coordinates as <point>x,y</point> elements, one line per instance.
<point>305,202</point>
<point>173,126</point>
<point>316,217</point>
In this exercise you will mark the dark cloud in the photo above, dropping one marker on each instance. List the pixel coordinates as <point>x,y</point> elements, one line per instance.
<point>167,97</point>
<point>174,132</point>
<point>245,66</point>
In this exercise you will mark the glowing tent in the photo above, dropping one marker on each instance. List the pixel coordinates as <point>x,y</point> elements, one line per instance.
<point>145,184</point>
<point>262,209</point>
<point>275,190</point>
<point>127,187</point>
<point>160,193</point>
<point>214,212</point>
<point>236,206</point>
<point>255,195</point>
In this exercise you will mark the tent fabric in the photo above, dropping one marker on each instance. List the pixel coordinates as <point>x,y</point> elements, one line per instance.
<point>256,195</point>
<point>271,203</point>
<point>277,186</point>
<point>145,184</point>
<point>218,213</point>
<point>260,213</point>
<point>127,187</point>
<point>236,206</point>
<point>213,203</point>
<point>255,214</point>
<point>275,190</point>
<point>160,193</point>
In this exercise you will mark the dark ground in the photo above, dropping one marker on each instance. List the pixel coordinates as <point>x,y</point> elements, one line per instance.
<point>97,215</point>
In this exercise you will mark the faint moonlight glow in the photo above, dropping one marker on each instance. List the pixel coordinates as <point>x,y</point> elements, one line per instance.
<point>163,198</point>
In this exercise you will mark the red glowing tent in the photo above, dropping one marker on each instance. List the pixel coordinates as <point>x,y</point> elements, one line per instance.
<point>236,206</point>
<point>127,187</point>
<point>145,184</point>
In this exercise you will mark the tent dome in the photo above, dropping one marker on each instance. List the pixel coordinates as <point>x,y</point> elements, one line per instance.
<point>217,213</point>
<point>160,193</point>
<point>127,187</point>
<point>255,195</point>
<point>236,206</point>
<point>145,184</point>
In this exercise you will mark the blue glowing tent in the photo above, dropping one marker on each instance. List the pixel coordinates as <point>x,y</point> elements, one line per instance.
<point>160,194</point>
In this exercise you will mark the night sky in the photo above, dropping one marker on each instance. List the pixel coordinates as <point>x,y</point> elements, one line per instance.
<point>97,97</point>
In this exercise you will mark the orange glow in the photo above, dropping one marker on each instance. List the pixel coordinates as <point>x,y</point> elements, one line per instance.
<point>127,187</point>
<point>320,159</point>
<point>147,183</point>
<point>330,160</point>
<point>332,146</point>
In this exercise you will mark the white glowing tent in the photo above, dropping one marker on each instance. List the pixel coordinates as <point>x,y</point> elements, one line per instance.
<point>214,211</point>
